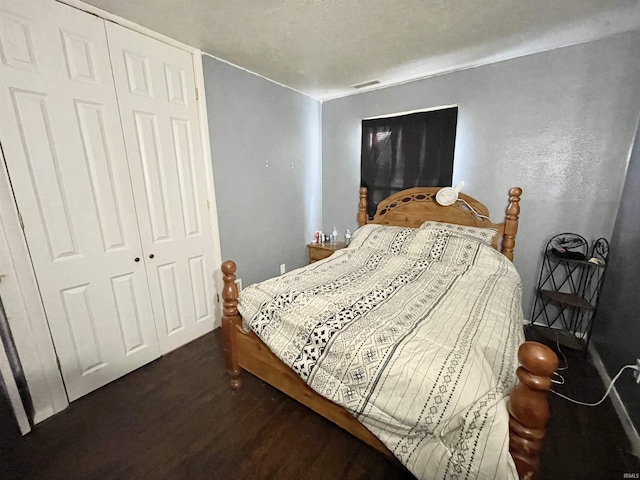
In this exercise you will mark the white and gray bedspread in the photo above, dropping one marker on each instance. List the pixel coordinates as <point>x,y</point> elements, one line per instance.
<point>413,331</point>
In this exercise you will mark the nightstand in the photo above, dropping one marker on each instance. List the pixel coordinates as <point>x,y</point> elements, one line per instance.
<point>318,251</point>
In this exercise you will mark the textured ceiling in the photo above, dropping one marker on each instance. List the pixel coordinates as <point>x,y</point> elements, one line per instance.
<point>322,47</point>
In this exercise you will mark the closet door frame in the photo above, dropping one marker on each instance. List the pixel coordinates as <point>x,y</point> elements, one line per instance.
<point>25,312</point>
<point>31,331</point>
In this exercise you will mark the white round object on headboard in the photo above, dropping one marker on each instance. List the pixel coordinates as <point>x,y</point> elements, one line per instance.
<point>446,196</point>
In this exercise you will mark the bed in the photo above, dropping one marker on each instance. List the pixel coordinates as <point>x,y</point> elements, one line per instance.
<point>412,245</point>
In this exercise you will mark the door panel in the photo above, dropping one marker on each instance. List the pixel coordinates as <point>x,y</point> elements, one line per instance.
<point>123,288</point>
<point>44,172</point>
<point>78,56</point>
<point>188,181</point>
<point>156,93</point>
<point>173,320</point>
<point>102,174</point>
<point>198,275</point>
<point>154,175</point>
<point>82,325</point>
<point>63,144</point>
<point>17,44</point>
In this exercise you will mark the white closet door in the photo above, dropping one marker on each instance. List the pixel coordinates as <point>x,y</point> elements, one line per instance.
<point>156,93</point>
<point>62,140</point>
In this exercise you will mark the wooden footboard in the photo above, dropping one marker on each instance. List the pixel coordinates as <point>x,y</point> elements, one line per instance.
<point>247,351</point>
<point>528,405</point>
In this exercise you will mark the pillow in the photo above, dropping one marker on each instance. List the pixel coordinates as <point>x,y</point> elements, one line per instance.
<point>378,237</point>
<point>429,241</point>
<point>484,235</point>
<point>406,241</point>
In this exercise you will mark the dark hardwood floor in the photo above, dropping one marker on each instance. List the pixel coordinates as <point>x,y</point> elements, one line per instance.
<point>177,419</point>
<point>9,431</point>
<point>583,442</point>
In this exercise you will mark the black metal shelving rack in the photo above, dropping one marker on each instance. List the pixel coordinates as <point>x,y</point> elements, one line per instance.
<point>568,290</point>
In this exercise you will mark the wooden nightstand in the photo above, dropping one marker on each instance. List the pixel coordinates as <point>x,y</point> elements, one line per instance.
<point>318,251</point>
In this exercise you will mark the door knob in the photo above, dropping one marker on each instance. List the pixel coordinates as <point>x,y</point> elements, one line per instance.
<point>137,259</point>
<point>151,255</point>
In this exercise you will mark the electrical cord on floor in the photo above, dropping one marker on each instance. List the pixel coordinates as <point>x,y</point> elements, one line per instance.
<point>558,382</point>
<point>566,363</point>
<point>606,393</point>
<point>566,366</point>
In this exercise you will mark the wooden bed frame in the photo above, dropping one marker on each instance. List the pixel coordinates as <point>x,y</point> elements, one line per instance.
<point>528,404</point>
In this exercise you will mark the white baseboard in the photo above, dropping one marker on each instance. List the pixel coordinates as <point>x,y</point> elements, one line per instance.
<point>628,426</point>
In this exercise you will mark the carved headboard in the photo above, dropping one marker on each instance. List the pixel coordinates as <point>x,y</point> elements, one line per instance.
<point>414,206</point>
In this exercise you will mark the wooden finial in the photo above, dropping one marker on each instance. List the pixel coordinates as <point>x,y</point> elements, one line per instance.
<point>230,317</point>
<point>511,223</point>
<point>362,207</point>
<point>529,406</point>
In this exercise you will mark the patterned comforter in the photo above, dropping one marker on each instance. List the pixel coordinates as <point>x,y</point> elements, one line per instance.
<point>413,331</point>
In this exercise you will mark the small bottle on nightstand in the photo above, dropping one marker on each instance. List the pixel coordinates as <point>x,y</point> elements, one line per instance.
<point>347,237</point>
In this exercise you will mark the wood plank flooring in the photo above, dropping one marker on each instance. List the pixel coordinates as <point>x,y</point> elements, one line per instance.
<point>9,432</point>
<point>177,419</point>
<point>583,442</point>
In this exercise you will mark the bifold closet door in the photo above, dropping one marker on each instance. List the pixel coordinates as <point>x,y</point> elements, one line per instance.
<point>62,140</point>
<point>156,93</point>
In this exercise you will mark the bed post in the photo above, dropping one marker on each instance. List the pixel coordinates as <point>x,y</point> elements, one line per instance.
<point>529,406</point>
<point>230,318</point>
<point>511,223</point>
<point>362,207</point>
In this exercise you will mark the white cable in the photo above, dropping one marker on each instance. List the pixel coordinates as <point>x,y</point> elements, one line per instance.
<point>566,364</point>
<point>606,393</point>
<point>558,382</point>
<point>473,210</point>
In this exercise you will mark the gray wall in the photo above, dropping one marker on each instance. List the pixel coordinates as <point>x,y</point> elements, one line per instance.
<point>617,324</point>
<point>559,124</point>
<point>266,214</point>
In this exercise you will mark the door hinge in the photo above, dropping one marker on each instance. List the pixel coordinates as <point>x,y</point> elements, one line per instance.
<point>218,297</point>
<point>20,220</point>
<point>197,95</point>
